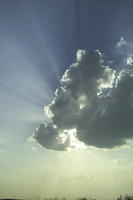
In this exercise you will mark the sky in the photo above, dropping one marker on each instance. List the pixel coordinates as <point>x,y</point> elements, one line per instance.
<point>66,75</point>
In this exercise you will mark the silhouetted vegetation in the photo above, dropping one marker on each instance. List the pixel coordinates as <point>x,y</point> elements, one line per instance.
<point>126,197</point>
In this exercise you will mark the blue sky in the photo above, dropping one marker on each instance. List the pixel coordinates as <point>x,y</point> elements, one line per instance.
<point>38,42</point>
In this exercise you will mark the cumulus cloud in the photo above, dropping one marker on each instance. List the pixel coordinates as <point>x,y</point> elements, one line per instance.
<point>130,60</point>
<point>121,43</point>
<point>123,54</point>
<point>93,105</point>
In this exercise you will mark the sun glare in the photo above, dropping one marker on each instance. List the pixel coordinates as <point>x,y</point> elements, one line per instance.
<point>74,142</point>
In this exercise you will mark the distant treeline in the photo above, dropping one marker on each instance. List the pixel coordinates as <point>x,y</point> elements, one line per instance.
<point>126,197</point>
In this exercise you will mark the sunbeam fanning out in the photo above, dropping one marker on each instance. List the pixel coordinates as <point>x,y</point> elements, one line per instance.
<point>23,93</point>
<point>44,43</point>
